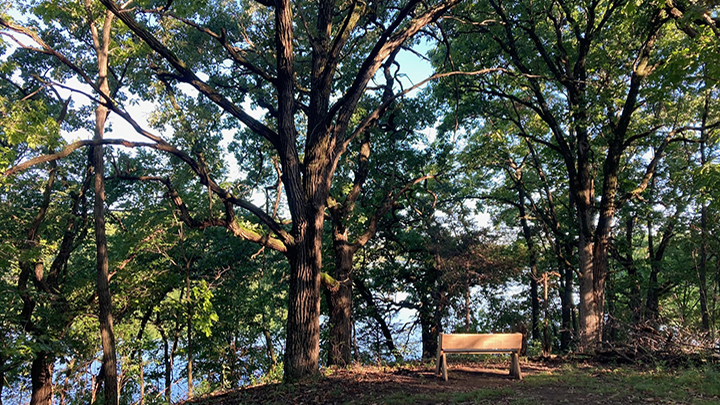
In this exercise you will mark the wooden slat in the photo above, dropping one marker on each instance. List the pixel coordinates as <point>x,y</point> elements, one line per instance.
<point>471,341</point>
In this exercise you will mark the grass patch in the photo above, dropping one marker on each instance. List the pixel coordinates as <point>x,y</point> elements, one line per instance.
<point>626,385</point>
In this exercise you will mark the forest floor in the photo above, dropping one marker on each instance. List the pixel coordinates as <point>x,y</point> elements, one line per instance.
<point>488,382</point>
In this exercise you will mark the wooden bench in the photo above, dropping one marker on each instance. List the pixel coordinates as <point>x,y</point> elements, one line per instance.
<point>475,343</point>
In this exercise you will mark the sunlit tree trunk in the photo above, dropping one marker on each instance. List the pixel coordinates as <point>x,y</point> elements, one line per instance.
<point>589,318</point>
<point>101,40</point>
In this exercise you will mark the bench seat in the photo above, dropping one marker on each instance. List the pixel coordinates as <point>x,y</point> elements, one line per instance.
<point>480,343</point>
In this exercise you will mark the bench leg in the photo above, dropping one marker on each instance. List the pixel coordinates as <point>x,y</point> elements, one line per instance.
<point>444,366</point>
<point>515,366</point>
<point>512,365</point>
<point>437,362</point>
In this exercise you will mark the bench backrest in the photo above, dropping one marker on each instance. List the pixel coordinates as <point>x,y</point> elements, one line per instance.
<point>475,341</point>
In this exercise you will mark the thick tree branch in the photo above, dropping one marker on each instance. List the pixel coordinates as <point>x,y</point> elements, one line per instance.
<point>384,47</point>
<point>229,222</point>
<point>188,75</point>
<point>199,170</point>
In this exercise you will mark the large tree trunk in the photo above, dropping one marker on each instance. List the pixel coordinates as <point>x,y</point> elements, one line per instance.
<point>41,374</point>
<point>432,307</point>
<point>307,191</point>
<point>652,303</point>
<point>604,229</point>
<point>428,332</point>
<point>302,347</point>
<point>340,305</point>
<point>588,309</point>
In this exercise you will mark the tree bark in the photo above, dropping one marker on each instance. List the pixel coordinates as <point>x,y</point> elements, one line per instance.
<point>41,375</point>
<point>101,41</point>
<point>269,347</point>
<point>428,331</point>
<point>341,306</point>
<point>168,370</point>
<point>302,347</point>
<point>534,298</point>
<point>589,317</point>
<point>189,308</point>
<point>467,297</point>
<point>303,324</point>
<point>2,375</point>
<point>566,299</point>
<point>604,227</point>
<point>107,335</point>
<point>340,298</point>
<point>431,313</point>
<point>655,256</point>
<point>702,268</point>
<point>562,249</point>
<point>652,303</point>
